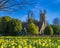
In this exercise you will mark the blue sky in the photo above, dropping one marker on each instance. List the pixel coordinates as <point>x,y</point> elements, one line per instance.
<point>52,8</point>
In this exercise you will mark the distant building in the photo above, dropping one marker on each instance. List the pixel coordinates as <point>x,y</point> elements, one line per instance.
<point>41,23</point>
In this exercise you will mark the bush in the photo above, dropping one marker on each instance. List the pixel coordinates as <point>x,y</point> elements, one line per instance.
<point>9,26</point>
<point>32,29</point>
<point>14,26</point>
<point>56,29</point>
<point>48,30</point>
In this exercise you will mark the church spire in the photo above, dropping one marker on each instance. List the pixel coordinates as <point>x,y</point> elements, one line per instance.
<point>45,16</point>
<point>30,14</point>
<point>44,11</point>
<point>40,11</point>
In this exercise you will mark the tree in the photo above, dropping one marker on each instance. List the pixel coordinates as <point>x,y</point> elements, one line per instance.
<point>48,30</point>
<point>9,26</point>
<point>56,21</point>
<point>4,21</point>
<point>1,30</point>
<point>14,26</point>
<point>13,5</point>
<point>56,29</point>
<point>32,29</point>
<point>30,20</point>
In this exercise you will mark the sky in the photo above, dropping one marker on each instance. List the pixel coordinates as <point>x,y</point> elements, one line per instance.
<point>52,10</point>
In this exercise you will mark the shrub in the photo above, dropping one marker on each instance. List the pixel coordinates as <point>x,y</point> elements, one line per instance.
<point>32,29</point>
<point>48,30</point>
<point>56,29</point>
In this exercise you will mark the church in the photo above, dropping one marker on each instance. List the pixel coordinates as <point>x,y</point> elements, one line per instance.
<point>41,23</point>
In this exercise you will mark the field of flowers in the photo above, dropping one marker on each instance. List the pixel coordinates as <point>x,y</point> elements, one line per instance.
<point>17,42</point>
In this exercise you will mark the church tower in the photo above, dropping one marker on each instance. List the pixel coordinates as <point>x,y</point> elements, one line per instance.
<point>45,17</point>
<point>30,16</point>
<point>42,21</point>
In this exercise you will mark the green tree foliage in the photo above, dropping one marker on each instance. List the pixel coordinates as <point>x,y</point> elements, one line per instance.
<point>56,29</point>
<point>4,21</point>
<point>1,30</point>
<point>14,26</point>
<point>30,20</point>
<point>32,29</point>
<point>9,26</point>
<point>48,30</point>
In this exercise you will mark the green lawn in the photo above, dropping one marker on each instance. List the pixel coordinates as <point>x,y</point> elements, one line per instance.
<point>29,42</point>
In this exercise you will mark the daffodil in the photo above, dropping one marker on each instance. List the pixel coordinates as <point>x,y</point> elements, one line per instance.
<point>2,46</point>
<point>19,46</point>
<point>30,46</point>
<point>46,44</point>
<point>13,46</point>
<point>49,40</point>
<point>43,44</point>
<point>34,47</point>
<point>25,47</point>
<point>58,46</point>
<point>58,40</point>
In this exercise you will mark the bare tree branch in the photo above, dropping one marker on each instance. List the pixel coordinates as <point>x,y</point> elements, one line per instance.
<point>12,5</point>
<point>3,3</point>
